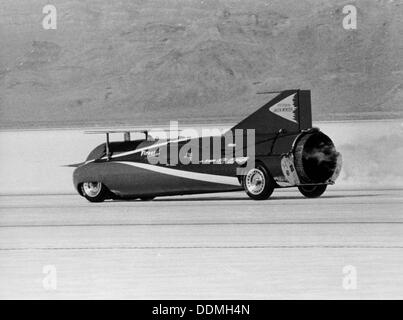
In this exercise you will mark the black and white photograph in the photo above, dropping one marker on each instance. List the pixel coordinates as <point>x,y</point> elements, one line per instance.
<point>201,150</point>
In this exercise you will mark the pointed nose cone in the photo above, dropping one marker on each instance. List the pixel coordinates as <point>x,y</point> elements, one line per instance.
<point>73,165</point>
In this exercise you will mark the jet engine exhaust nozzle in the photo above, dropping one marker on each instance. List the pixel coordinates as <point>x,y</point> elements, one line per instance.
<point>316,158</point>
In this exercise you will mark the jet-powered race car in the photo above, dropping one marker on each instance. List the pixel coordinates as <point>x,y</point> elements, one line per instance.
<point>274,147</point>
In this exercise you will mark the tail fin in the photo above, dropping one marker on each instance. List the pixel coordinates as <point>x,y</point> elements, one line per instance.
<point>290,110</point>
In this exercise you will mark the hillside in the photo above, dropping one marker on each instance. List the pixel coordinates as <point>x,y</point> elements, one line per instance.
<point>149,61</point>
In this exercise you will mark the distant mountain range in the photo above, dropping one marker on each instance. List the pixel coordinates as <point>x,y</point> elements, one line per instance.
<point>148,61</point>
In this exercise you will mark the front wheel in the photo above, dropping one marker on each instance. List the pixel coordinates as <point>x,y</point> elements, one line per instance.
<point>94,191</point>
<point>258,183</point>
<point>312,191</point>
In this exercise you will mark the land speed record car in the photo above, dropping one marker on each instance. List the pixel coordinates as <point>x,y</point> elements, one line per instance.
<point>287,152</point>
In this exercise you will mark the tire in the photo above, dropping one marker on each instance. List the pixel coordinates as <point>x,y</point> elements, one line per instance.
<point>147,198</point>
<point>258,183</point>
<point>94,191</point>
<point>313,191</point>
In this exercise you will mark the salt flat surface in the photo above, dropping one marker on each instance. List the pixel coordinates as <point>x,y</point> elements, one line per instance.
<point>218,246</point>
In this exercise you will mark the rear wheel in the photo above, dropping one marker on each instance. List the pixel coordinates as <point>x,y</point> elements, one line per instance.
<point>94,191</point>
<point>312,191</point>
<point>258,183</point>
